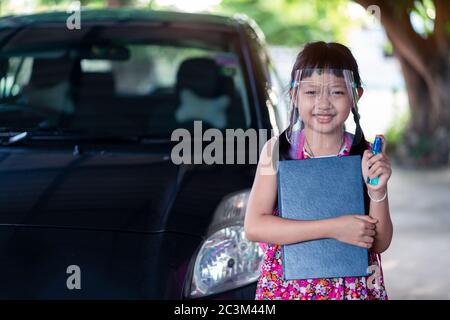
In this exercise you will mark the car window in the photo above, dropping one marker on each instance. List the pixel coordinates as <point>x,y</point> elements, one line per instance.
<point>276,94</point>
<point>143,87</point>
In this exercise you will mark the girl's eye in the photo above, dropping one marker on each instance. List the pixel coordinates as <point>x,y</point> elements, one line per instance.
<point>338,93</point>
<point>311,92</point>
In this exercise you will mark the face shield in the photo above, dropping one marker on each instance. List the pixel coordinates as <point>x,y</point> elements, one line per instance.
<point>323,108</point>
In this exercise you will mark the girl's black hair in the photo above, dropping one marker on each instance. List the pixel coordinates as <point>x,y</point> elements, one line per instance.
<point>323,55</point>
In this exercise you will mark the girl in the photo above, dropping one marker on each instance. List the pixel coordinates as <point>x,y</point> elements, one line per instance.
<point>322,133</point>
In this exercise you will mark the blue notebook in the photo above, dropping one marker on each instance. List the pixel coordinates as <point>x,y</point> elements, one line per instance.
<point>320,188</point>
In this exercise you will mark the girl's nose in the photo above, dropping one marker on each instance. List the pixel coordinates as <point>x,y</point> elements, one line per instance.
<point>323,102</point>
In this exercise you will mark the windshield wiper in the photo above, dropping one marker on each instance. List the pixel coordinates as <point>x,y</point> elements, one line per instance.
<point>9,136</point>
<point>17,137</point>
<point>13,136</point>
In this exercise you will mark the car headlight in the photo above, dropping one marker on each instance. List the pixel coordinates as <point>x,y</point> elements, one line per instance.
<point>226,259</point>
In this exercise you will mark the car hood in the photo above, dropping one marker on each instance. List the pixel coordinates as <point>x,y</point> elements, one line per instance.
<point>113,191</point>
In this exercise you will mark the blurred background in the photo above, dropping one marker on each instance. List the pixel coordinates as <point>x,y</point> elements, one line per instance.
<point>403,52</point>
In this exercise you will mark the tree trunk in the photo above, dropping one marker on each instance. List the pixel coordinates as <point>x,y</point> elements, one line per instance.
<point>426,71</point>
<point>426,139</point>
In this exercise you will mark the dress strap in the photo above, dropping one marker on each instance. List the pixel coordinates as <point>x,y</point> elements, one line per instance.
<point>348,144</point>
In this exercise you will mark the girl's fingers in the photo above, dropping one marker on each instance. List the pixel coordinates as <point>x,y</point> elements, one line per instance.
<point>376,171</point>
<point>386,161</point>
<point>372,160</point>
<point>379,171</point>
<point>367,239</point>
<point>364,244</point>
<point>376,166</point>
<point>370,226</point>
<point>380,163</point>
<point>366,155</point>
<point>366,218</point>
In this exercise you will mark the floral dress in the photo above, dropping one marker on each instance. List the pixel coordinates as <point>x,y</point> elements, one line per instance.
<point>271,285</point>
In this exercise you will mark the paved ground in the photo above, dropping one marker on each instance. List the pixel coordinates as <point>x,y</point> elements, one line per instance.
<point>417,264</point>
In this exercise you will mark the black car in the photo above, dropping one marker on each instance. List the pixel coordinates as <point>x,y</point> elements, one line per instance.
<point>91,204</point>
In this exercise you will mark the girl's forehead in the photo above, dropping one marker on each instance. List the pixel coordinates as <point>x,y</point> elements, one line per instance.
<point>323,77</point>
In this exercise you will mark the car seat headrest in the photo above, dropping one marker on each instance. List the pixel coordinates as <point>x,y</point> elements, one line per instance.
<point>200,75</point>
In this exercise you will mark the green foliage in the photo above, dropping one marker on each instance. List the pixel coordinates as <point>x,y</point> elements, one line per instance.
<point>58,3</point>
<point>395,134</point>
<point>422,148</point>
<point>424,11</point>
<point>388,49</point>
<point>293,22</point>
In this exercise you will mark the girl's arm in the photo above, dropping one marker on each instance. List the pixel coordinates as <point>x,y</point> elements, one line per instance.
<point>261,226</point>
<point>379,166</point>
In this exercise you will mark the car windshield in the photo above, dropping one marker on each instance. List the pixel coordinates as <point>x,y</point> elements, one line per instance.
<point>122,79</point>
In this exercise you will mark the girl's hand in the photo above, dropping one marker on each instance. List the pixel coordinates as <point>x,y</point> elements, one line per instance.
<point>355,229</point>
<point>376,166</point>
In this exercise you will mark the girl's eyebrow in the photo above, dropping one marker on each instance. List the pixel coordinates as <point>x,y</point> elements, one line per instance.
<point>338,84</point>
<point>333,83</point>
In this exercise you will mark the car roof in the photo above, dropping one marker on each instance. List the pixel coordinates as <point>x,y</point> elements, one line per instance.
<point>124,14</point>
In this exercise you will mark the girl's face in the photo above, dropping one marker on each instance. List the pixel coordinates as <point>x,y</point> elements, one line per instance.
<point>324,102</point>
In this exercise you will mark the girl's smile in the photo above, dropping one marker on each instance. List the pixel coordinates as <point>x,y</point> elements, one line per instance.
<point>323,118</point>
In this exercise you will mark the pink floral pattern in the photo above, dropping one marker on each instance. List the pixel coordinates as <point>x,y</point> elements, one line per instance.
<point>271,286</point>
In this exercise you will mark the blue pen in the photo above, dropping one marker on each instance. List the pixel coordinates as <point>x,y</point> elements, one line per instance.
<point>376,149</point>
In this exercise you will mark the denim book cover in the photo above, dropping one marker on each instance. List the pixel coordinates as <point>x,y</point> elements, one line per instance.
<point>314,189</point>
